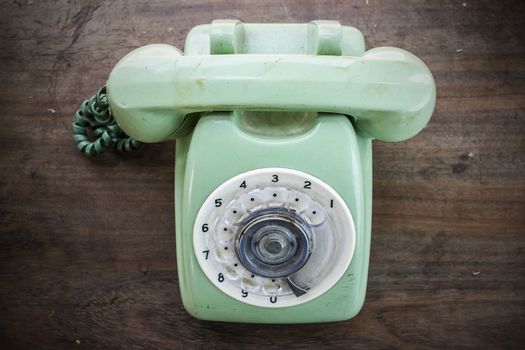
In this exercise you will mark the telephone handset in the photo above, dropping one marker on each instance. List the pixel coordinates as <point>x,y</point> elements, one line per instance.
<point>273,124</point>
<point>389,92</point>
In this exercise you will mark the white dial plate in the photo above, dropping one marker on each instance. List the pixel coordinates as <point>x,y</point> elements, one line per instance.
<point>221,217</point>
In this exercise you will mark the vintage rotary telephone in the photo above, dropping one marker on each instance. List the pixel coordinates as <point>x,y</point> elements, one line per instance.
<point>273,184</point>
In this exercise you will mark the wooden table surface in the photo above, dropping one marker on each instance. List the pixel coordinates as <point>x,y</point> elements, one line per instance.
<point>87,246</point>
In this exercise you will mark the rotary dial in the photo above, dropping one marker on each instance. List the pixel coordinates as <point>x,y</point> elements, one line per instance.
<point>274,237</point>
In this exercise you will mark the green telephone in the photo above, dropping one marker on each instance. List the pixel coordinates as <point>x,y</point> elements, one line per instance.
<point>273,184</point>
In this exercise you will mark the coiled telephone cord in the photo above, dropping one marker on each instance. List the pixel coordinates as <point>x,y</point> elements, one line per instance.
<point>95,115</point>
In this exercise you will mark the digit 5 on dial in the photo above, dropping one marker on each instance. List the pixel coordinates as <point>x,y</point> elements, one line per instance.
<point>273,124</point>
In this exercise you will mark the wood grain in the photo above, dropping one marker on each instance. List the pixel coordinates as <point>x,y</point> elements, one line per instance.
<point>87,246</point>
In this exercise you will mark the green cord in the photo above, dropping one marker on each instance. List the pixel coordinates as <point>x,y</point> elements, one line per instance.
<point>95,115</point>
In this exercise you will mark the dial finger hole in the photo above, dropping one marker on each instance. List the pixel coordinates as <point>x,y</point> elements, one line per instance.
<point>224,253</point>
<point>274,197</point>
<point>251,203</point>
<point>232,273</point>
<point>249,283</point>
<point>224,233</point>
<point>234,215</point>
<point>272,287</point>
<point>314,215</point>
<point>298,202</point>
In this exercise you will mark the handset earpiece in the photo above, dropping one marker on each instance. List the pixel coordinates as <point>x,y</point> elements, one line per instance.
<point>389,92</point>
<point>404,92</point>
<point>141,93</point>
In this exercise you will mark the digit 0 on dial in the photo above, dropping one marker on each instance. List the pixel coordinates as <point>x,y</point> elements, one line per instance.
<point>274,237</point>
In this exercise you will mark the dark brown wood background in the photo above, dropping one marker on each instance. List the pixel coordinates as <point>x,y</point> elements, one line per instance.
<point>87,246</point>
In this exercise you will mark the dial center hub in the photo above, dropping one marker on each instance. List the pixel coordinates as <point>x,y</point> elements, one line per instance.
<point>274,243</point>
